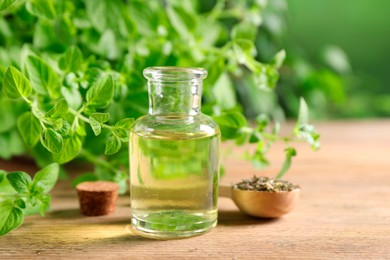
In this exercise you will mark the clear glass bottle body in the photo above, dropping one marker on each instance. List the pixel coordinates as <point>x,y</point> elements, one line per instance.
<point>174,158</point>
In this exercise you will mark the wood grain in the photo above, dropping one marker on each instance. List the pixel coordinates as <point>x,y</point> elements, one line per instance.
<point>343,212</point>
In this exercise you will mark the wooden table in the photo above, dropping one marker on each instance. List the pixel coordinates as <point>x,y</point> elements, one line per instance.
<point>344,211</point>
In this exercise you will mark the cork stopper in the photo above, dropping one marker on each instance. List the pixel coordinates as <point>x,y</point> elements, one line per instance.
<point>97,198</point>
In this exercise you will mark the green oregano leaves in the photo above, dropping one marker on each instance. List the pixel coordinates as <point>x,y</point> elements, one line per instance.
<point>303,129</point>
<point>25,195</point>
<point>96,121</point>
<point>11,216</point>
<point>19,181</point>
<point>289,153</point>
<point>42,77</point>
<point>15,84</point>
<point>42,8</point>
<point>43,179</point>
<point>71,148</point>
<point>52,140</point>
<point>233,125</point>
<point>29,128</point>
<point>230,124</point>
<point>71,60</point>
<point>101,92</point>
<point>113,144</point>
<point>60,109</point>
<point>59,127</point>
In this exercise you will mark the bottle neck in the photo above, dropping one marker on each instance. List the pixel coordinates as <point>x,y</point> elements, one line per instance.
<point>174,98</point>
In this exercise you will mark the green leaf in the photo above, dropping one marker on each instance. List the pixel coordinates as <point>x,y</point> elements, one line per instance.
<point>303,129</point>
<point>95,125</point>
<point>29,128</point>
<point>230,124</point>
<point>60,109</point>
<point>52,140</point>
<point>5,4</point>
<point>100,117</point>
<point>72,147</point>
<point>244,51</point>
<point>44,203</point>
<point>278,59</point>
<point>72,97</point>
<point>122,134</point>
<point>81,131</point>
<point>259,160</point>
<point>71,60</point>
<point>20,181</point>
<point>242,138</point>
<point>181,20</point>
<point>122,128</point>
<point>97,13</point>
<point>56,123</point>
<point>20,203</point>
<point>303,116</point>
<point>262,121</point>
<point>88,110</point>
<point>255,137</point>
<point>224,92</point>
<point>113,144</point>
<point>265,75</point>
<point>10,217</point>
<point>9,111</point>
<point>125,123</point>
<point>108,45</point>
<point>244,30</point>
<point>309,134</point>
<point>30,210</point>
<point>15,84</point>
<point>91,75</point>
<point>276,128</point>
<point>65,129</point>
<point>101,92</point>
<point>46,178</point>
<point>43,78</point>
<point>42,8</point>
<point>290,152</point>
<point>5,186</point>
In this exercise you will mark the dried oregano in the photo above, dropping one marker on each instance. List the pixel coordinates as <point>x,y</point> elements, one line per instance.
<point>265,184</point>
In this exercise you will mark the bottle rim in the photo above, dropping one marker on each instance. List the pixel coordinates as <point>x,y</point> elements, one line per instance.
<point>171,73</point>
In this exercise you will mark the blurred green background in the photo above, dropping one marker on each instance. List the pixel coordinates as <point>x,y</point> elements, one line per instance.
<point>321,32</point>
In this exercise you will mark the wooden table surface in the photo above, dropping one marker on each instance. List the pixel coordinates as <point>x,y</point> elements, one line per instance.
<point>343,212</point>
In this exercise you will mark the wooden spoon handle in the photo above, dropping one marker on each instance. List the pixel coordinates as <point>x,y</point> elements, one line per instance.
<point>225,191</point>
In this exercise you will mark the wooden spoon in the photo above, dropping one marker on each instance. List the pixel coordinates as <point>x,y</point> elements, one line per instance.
<point>261,203</point>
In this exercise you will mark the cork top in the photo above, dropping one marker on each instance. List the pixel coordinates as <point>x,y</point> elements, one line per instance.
<point>97,186</point>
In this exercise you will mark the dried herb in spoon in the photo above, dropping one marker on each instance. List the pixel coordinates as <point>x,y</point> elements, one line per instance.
<point>265,184</point>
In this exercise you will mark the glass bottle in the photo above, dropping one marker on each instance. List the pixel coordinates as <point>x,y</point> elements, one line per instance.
<point>174,158</point>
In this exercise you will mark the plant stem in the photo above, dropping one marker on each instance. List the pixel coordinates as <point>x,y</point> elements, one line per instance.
<point>78,115</point>
<point>271,137</point>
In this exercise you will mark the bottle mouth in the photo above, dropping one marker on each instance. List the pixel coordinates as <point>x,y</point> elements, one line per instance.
<point>174,73</point>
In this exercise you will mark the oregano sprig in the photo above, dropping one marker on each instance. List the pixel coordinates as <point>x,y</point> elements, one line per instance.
<point>234,126</point>
<point>22,195</point>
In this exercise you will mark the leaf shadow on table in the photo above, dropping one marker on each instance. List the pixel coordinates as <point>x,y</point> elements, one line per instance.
<point>237,218</point>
